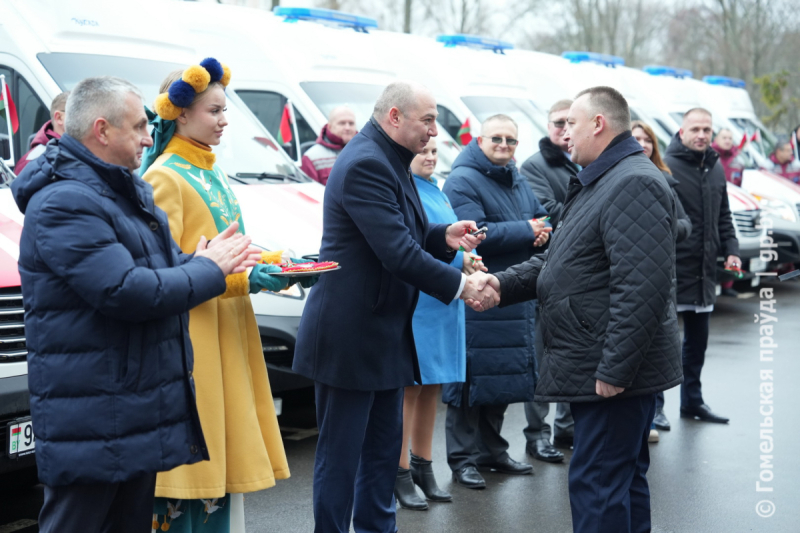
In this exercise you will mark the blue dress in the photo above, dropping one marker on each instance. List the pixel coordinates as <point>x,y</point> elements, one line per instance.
<point>439,329</point>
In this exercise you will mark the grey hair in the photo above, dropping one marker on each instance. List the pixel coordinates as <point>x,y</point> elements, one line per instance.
<point>610,103</point>
<point>499,118</point>
<point>93,98</point>
<point>399,94</point>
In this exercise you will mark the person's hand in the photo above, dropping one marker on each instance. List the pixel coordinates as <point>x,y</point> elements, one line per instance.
<point>481,291</point>
<point>229,250</point>
<point>457,236</point>
<point>472,263</point>
<point>537,225</point>
<point>733,261</point>
<point>304,281</point>
<point>606,390</point>
<point>543,237</point>
<point>260,279</point>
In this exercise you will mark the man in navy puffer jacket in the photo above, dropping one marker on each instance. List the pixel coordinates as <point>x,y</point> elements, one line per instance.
<point>486,186</point>
<point>106,294</point>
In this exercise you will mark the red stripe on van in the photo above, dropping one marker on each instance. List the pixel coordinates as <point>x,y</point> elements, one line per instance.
<point>9,273</point>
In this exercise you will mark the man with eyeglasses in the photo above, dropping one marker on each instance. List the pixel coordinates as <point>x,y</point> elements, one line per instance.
<point>548,172</point>
<point>486,184</point>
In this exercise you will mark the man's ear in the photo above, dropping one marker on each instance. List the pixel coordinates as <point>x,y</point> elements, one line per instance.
<point>394,117</point>
<point>100,129</point>
<point>600,124</point>
<point>480,142</point>
<point>58,118</point>
<point>680,133</point>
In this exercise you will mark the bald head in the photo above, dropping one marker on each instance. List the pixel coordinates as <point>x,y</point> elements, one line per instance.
<point>406,111</point>
<point>342,123</point>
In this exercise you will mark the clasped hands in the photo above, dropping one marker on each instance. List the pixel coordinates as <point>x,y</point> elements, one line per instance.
<point>231,251</point>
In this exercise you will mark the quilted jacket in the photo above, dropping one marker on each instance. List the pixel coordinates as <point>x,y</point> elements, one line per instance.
<point>548,172</point>
<point>702,190</point>
<point>106,294</point>
<point>500,342</point>
<point>606,286</point>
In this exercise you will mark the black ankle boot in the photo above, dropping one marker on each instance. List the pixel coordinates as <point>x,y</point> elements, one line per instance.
<point>406,493</point>
<point>422,474</point>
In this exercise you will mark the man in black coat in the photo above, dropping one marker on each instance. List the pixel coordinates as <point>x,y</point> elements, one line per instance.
<point>703,192</point>
<point>548,172</point>
<point>355,338</point>
<point>607,312</point>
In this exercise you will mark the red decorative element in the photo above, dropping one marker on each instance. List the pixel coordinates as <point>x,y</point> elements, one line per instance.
<point>310,267</point>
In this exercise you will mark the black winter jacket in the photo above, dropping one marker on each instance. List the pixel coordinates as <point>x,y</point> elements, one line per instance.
<point>548,172</point>
<point>500,342</point>
<point>702,190</point>
<point>606,285</point>
<point>684,228</point>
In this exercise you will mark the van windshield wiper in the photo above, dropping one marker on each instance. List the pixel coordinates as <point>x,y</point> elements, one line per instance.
<point>268,176</point>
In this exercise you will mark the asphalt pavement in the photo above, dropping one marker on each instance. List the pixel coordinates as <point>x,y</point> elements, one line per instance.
<point>703,477</point>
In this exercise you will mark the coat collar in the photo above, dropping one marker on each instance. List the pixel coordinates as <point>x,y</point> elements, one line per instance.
<point>622,146</point>
<point>192,151</point>
<point>473,157</point>
<point>377,132</point>
<point>554,155</point>
<point>329,140</point>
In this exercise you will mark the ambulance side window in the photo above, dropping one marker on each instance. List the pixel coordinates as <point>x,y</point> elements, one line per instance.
<point>448,120</point>
<point>32,113</point>
<point>268,106</point>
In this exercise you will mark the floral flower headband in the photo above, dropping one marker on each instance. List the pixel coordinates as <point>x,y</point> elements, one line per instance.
<point>194,80</point>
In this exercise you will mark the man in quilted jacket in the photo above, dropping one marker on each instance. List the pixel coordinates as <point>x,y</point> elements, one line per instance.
<point>606,293</point>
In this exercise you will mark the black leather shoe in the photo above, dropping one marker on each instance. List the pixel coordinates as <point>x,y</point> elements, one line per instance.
<point>422,474</point>
<point>406,493</point>
<point>544,451</point>
<point>660,420</point>
<point>704,413</point>
<point>470,478</point>
<point>563,442</point>
<point>507,466</point>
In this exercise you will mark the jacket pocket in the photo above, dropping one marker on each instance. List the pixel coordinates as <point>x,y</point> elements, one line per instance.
<point>383,291</point>
<point>131,364</point>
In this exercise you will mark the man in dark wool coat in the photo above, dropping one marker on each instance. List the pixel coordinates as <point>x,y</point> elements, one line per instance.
<point>606,290</point>
<point>355,338</point>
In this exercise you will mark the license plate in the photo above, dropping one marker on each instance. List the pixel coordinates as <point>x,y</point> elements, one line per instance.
<point>757,265</point>
<point>21,440</point>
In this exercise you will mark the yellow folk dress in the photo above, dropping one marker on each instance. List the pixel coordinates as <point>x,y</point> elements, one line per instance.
<point>233,393</point>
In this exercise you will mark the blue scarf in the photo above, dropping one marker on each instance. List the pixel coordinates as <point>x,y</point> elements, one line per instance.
<point>163,130</point>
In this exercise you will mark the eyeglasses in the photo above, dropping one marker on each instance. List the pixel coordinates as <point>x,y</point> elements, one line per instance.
<point>499,140</point>
<point>558,123</point>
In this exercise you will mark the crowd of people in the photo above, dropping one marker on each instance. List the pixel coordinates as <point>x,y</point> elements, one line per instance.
<point>560,280</point>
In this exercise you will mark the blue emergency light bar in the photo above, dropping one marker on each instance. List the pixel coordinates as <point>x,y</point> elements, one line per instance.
<point>593,57</point>
<point>293,14</point>
<point>474,41</point>
<point>659,70</point>
<point>724,80</point>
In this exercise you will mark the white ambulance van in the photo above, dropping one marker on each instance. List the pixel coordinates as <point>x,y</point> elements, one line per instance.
<point>46,47</point>
<point>307,60</point>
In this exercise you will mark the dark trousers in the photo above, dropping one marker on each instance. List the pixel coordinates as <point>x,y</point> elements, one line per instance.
<point>472,434</point>
<point>695,342</point>
<point>537,428</point>
<point>360,434</point>
<point>608,489</point>
<point>99,507</point>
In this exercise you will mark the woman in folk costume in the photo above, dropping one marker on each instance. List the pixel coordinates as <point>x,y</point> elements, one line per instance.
<point>233,393</point>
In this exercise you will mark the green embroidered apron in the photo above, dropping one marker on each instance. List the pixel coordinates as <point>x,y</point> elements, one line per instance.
<point>213,188</point>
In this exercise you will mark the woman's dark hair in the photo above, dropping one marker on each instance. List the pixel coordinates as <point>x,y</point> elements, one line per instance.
<point>655,157</point>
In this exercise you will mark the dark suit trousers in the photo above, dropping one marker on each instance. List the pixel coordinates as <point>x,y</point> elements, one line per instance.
<point>695,342</point>
<point>102,507</point>
<point>538,428</point>
<point>472,433</point>
<point>360,436</point>
<point>608,489</point>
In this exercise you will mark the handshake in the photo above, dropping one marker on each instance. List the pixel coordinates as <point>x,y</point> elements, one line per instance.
<point>481,291</point>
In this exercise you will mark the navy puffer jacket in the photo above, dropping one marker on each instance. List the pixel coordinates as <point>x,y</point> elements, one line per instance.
<point>500,342</point>
<point>106,294</point>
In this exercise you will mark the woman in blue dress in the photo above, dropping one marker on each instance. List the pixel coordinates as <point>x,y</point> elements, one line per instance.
<point>439,333</point>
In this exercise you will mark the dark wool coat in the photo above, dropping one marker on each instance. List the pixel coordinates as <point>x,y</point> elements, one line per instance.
<point>702,190</point>
<point>356,331</point>
<point>548,172</point>
<point>106,293</point>
<point>606,285</point>
<point>500,342</point>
